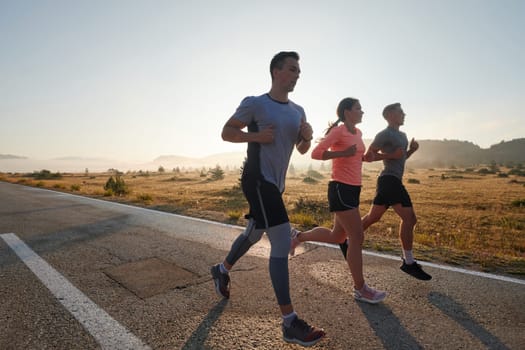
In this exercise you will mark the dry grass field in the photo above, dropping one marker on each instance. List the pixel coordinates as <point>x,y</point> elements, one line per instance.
<point>466,217</point>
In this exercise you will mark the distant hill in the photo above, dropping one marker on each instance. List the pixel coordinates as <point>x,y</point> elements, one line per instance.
<point>232,159</point>
<point>10,156</point>
<point>431,153</point>
<point>446,153</point>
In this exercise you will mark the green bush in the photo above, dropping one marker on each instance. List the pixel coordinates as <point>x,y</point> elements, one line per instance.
<point>314,174</point>
<point>234,215</point>
<point>145,197</point>
<point>116,185</point>
<point>310,180</point>
<point>517,172</point>
<point>518,203</point>
<point>46,175</point>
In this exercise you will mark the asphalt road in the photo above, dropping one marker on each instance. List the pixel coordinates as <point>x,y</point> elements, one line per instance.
<point>79,273</point>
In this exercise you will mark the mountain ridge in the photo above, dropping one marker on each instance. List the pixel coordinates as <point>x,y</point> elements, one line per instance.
<point>431,153</point>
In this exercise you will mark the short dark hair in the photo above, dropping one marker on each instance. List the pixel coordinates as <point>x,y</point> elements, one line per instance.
<point>389,108</point>
<point>279,58</point>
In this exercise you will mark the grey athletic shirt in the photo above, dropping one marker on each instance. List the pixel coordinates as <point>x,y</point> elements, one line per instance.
<point>270,161</point>
<point>388,141</point>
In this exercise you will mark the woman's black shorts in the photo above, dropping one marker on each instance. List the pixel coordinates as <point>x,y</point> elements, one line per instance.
<point>342,196</point>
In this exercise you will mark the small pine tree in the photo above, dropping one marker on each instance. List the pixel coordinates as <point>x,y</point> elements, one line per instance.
<point>216,173</point>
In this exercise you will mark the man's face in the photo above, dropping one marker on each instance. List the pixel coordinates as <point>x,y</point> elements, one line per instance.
<point>288,75</point>
<point>397,116</point>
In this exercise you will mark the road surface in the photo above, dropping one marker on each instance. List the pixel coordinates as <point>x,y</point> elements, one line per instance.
<point>80,273</point>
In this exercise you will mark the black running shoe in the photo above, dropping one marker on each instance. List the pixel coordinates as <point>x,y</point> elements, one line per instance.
<point>222,282</point>
<point>415,270</point>
<point>302,333</point>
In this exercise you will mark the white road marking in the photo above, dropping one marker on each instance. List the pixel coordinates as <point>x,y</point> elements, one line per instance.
<point>438,266</point>
<point>108,333</point>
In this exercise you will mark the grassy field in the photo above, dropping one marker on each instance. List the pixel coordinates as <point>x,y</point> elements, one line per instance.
<point>471,218</point>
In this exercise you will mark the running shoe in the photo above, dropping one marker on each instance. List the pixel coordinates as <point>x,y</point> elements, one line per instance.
<point>415,270</point>
<point>302,333</point>
<point>369,295</point>
<point>222,282</point>
<point>295,241</point>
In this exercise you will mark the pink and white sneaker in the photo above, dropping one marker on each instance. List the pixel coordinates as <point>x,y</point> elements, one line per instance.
<point>295,241</point>
<point>369,295</point>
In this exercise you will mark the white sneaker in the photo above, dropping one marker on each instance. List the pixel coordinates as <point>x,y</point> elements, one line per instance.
<point>369,295</point>
<point>295,241</point>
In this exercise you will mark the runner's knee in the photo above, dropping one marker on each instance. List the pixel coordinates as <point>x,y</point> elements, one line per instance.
<point>280,240</point>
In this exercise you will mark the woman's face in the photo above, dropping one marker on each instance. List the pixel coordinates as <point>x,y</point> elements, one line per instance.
<point>354,115</point>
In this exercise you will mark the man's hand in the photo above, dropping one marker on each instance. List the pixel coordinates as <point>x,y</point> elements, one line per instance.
<point>413,146</point>
<point>266,135</point>
<point>369,157</point>
<point>306,132</point>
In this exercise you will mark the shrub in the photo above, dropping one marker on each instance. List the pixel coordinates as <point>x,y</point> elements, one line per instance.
<point>216,173</point>
<point>303,219</point>
<point>310,206</point>
<point>46,175</point>
<point>518,203</point>
<point>310,180</point>
<point>145,197</point>
<point>485,171</point>
<point>116,185</point>
<point>234,215</point>
<point>517,172</point>
<point>413,181</point>
<point>314,174</point>
<point>75,187</point>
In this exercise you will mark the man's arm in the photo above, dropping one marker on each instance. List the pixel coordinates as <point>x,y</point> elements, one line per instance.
<point>374,154</point>
<point>232,132</point>
<point>305,137</point>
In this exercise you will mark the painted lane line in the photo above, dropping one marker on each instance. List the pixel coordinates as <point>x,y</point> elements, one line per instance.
<point>437,266</point>
<point>108,333</point>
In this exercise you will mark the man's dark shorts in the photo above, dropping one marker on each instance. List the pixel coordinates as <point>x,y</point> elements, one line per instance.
<point>390,190</point>
<point>266,203</point>
<point>342,196</point>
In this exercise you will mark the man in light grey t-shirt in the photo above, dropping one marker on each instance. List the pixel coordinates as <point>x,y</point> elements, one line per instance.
<point>275,126</point>
<point>392,147</point>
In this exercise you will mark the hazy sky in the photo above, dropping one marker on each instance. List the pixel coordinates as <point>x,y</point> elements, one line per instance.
<point>133,80</point>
